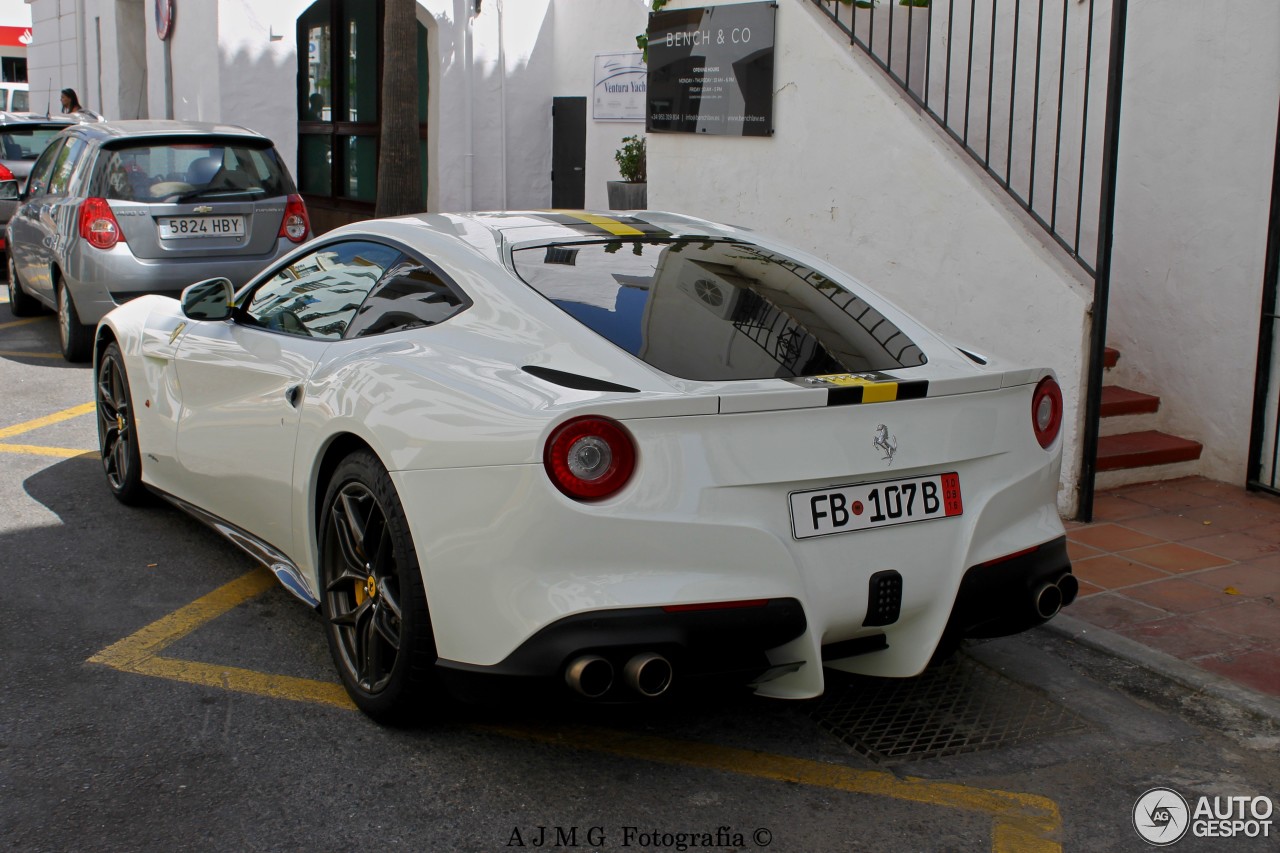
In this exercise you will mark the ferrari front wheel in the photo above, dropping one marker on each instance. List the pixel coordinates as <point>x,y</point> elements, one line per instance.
<point>373,601</point>
<point>117,436</point>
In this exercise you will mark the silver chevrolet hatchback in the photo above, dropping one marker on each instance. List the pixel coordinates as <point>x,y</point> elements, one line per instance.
<point>118,209</point>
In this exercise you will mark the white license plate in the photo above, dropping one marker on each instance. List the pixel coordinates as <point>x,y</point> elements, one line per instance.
<point>842,509</point>
<point>182,227</point>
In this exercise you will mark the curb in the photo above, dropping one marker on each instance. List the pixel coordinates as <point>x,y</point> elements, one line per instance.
<point>1186,674</point>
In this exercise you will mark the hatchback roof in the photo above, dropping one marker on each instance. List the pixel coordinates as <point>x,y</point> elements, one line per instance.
<point>160,127</point>
<point>7,117</point>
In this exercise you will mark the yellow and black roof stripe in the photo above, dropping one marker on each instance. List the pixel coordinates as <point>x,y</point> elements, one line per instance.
<point>597,225</point>
<point>847,389</point>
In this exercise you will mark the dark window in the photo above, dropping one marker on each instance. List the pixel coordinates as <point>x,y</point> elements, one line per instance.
<point>411,295</point>
<point>339,100</point>
<point>13,69</point>
<point>64,166</point>
<point>318,294</point>
<point>38,184</point>
<point>25,142</point>
<point>186,171</point>
<point>718,310</point>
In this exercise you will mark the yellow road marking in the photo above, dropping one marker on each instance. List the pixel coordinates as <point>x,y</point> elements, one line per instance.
<point>47,420</point>
<point>140,652</point>
<point>15,354</point>
<point>36,450</point>
<point>1020,822</point>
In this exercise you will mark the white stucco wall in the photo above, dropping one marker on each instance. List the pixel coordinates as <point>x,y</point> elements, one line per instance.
<point>909,213</point>
<point>1197,153</point>
<point>582,31</point>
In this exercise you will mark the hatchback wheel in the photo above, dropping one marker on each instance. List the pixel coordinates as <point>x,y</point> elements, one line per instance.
<point>75,336</point>
<point>374,604</point>
<point>21,304</point>
<point>117,438</point>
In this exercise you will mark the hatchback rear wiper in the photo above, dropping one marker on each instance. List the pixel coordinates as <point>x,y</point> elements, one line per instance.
<point>216,193</point>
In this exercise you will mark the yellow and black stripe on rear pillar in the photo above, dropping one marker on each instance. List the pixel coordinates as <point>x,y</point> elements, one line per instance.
<point>848,389</point>
<point>593,224</point>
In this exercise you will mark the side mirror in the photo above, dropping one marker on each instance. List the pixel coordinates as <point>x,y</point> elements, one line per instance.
<point>8,190</point>
<point>208,300</point>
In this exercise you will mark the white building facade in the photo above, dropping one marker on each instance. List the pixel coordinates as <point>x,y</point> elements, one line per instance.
<point>854,172</point>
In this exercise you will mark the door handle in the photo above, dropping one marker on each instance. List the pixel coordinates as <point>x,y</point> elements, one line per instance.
<point>293,394</point>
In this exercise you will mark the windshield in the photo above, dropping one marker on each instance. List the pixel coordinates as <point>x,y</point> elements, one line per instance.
<point>180,172</point>
<point>716,310</point>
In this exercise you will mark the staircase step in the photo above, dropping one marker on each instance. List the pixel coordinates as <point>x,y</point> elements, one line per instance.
<point>1110,356</point>
<point>1122,401</point>
<point>1139,449</point>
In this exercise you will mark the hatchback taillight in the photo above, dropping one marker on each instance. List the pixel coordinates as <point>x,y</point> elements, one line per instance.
<point>589,458</point>
<point>8,184</point>
<point>98,224</point>
<point>295,224</point>
<point>1046,411</point>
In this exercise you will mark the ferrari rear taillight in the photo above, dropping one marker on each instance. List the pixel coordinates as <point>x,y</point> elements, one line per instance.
<point>1046,411</point>
<point>98,224</point>
<point>589,458</point>
<point>295,224</point>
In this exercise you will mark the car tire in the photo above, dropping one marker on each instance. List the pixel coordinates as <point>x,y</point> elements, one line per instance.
<point>117,431</point>
<point>372,599</point>
<point>21,304</point>
<point>76,337</point>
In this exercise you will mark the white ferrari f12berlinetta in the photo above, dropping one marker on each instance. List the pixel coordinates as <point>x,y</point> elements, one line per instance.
<point>612,455</point>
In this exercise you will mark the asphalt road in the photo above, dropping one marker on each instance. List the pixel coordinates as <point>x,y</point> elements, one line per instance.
<point>162,693</point>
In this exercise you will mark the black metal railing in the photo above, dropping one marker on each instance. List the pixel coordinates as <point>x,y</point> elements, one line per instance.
<point>1264,438</point>
<point>1020,84</point>
<point>1031,90</point>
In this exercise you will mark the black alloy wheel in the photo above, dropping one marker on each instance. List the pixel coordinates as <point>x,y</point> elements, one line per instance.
<point>117,438</point>
<point>75,336</point>
<point>374,604</point>
<point>21,304</point>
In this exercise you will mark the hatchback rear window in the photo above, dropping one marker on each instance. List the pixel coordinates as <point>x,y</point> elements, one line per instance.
<point>716,310</point>
<point>187,171</point>
<point>26,143</point>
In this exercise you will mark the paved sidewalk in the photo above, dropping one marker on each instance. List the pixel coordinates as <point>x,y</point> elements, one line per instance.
<point>1189,568</point>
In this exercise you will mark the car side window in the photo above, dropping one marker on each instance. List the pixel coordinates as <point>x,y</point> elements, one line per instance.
<point>410,295</point>
<point>38,184</point>
<point>64,166</point>
<point>317,295</point>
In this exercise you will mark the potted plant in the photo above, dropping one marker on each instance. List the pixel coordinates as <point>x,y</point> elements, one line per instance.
<point>632,192</point>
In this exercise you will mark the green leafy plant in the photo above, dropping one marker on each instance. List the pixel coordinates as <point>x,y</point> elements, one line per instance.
<point>631,160</point>
<point>642,40</point>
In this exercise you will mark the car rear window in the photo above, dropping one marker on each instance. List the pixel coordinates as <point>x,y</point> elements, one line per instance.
<point>26,143</point>
<point>177,172</point>
<point>716,310</point>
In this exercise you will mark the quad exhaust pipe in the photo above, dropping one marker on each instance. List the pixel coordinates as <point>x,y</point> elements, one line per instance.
<point>1052,597</point>
<point>592,676</point>
<point>648,674</point>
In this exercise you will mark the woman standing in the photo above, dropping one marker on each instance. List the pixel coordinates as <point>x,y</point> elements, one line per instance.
<point>71,106</point>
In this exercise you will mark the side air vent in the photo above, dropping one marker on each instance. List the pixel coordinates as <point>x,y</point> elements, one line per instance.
<point>576,381</point>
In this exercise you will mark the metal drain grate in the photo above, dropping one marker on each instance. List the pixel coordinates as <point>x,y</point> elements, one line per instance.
<point>958,707</point>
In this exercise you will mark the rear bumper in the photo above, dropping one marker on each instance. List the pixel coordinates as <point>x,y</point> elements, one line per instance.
<point>719,645</point>
<point>998,599</point>
<point>101,280</point>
